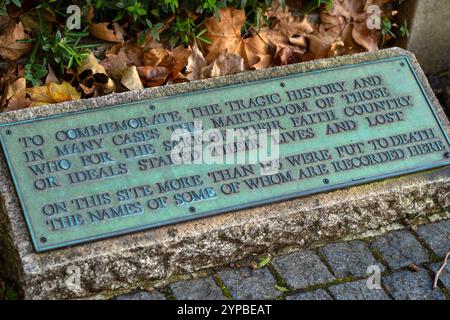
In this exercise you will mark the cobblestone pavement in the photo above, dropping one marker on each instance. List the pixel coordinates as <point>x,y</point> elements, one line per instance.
<point>407,260</point>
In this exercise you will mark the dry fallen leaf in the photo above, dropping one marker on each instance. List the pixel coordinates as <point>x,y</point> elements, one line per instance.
<point>10,49</point>
<point>289,25</point>
<point>356,22</point>
<point>153,76</point>
<point>90,66</point>
<point>31,19</point>
<point>4,21</point>
<point>180,56</point>
<point>258,51</point>
<point>51,76</point>
<point>323,44</point>
<point>130,79</point>
<point>225,64</point>
<point>53,93</point>
<point>196,64</point>
<point>288,35</point>
<point>225,33</point>
<point>174,60</point>
<point>63,92</point>
<point>120,57</point>
<point>155,56</point>
<point>108,31</point>
<point>285,51</point>
<point>15,96</point>
<point>115,64</point>
<point>91,73</point>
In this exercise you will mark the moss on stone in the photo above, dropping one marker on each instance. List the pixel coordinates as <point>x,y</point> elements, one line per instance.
<point>280,281</point>
<point>379,257</point>
<point>222,286</point>
<point>446,293</point>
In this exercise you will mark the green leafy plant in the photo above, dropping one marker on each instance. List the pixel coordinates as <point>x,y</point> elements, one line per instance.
<point>153,29</point>
<point>281,289</point>
<point>34,72</point>
<point>4,3</point>
<point>59,48</point>
<point>312,5</point>
<point>386,28</point>
<point>136,11</point>
<point>7,293</point>
<point>263,262</point>
<point>404,31</point>
<point>172,4</point>
<point>186,31</point>
<point>327,4</point>
<point>18,3</point>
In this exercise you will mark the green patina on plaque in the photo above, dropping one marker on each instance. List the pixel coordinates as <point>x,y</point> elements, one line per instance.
<point>99,173</point>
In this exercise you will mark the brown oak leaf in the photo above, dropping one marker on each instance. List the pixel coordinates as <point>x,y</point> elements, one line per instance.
<point>108,31</point>
<point>225,33</point>
<point>196,64</point>
<point>174,60</point>
<point>153,76</point>
<point>222,65</point>
<point>225,64</point>
<point>114,64</point>
<point>288,34</point>
<point>353,11</point>
<point>258,51</point>
<point>226,37</point>
<point>10,49</point>
<point>15,96</point>
<point>180,56</point>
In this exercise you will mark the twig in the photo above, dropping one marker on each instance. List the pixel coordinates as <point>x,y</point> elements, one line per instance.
<point>438,273</point>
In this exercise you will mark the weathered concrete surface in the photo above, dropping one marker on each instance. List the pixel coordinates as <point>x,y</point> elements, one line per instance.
<point>429,22</point>
<point>133,260</point>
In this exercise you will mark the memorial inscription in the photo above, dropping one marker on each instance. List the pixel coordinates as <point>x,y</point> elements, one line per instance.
<point>94,174</point>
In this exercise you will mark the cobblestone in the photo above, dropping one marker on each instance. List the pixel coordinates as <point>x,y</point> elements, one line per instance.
<point>400,249</point>
<point>407,285</point>
<point>349,258</point>
<point>197,289</point>
<point>444,277</point>
<point>247,284</point>
<point>357,291</point>
<point>312,295</point>
<point>302,269</point>
<point>143,295</point>
<point>436,236</point>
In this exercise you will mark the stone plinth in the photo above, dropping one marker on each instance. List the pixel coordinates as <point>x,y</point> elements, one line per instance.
<point>136,259</point>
